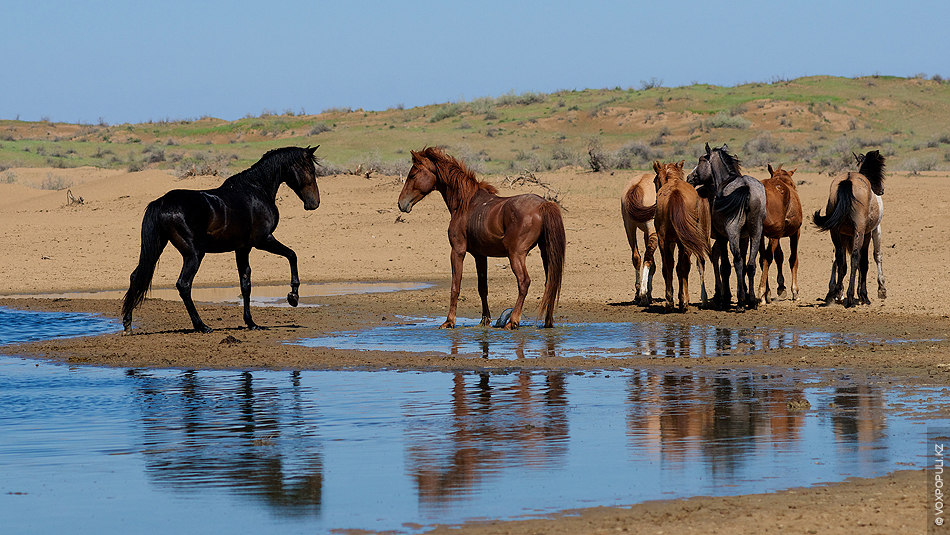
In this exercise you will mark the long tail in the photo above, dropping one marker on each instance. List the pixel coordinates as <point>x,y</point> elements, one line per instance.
<point>689,227</point>
<point>730,205</point>
<point>632,205</point>
<point>844,198</point>
<point>153,242</point>
<point>554,243</point>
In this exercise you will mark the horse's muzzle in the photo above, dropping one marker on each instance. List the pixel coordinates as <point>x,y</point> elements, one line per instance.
<point>405,205</point>
<point>312,205</point>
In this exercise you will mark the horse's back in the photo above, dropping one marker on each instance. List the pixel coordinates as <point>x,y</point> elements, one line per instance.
<point>783,208</point>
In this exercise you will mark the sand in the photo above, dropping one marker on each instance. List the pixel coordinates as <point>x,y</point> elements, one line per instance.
<point>358,234</point>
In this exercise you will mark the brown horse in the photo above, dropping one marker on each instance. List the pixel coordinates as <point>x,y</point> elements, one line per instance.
<point>637,207</point>
<point>682,219</point>
<point>484,224</point>
<point>853,217</point>
<point>783,219</point>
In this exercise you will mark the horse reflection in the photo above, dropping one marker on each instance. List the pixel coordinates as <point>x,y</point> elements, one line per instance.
<point>198,435</point>
<point>677,417</point>
<point>519,420</point>
<point>504,346</point>
<point>858,415</point>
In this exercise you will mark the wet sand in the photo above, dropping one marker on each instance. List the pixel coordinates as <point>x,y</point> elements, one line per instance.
<point>356,236</point>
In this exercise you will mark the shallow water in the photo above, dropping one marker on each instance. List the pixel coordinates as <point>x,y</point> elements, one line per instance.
<point>578,340</point>
<point>20,326</point>
<point>92,450</point>
<point>261,295</point>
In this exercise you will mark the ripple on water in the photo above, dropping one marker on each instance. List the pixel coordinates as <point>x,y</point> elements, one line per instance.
<point>21,326</point>
<point>578,339</point>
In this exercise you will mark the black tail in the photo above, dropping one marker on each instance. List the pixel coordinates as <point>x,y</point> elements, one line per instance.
<point>153,243</point>
<point>730,205</point>
<point>842,209</point>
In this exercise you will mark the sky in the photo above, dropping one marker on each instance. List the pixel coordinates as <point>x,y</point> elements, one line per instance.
<point>134,61</point>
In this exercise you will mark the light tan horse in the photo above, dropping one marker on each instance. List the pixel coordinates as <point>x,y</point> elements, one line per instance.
<point>783,219</point>
<point>484,224</point>
<point>638,206</point>
<point>853,216</point>
<point>683,220</point>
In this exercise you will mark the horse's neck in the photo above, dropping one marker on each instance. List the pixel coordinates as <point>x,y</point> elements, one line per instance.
<point>457,198</point>
<point>261,184</point>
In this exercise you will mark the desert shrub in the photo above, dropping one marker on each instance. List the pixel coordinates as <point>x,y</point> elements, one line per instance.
<point>9,177</point>
<point>523,99</point>
<point>153,154</point>
<point>652,83</point>
<point>483,105</point>
<point>445,111</point>
<point>55,182</point>
<point>916,165</point>
<point>724,120</point>
<point>634,154</point>
<point>319,128</point>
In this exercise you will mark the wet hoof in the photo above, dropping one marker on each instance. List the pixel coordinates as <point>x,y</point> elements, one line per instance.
<point>486,321</point>
<point>447,325</point>
<point>293,299</point>
<point>502,320</point>
<point>511,326</point>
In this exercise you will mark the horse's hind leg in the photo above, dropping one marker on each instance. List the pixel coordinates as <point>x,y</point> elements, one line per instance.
<point>635,257</point>
<point>682,272</point>
<point>481,268</point>
<point>271,245</point>
<point>191,262</point>
<point>666,256</point>
<point>863,298</point>
<point>518,267</point>
<point>649,264</point>
<point>244,272</point>
<point>879,260</point>
<point>779,256</point>
<point>856,246</point>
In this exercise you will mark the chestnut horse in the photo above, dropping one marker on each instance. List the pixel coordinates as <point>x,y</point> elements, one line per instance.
<point>682,219</point>
<point>853,217</point>
<point>637,207</point>
<point>484,224</point>
<point>783,219</point>
<point>236,216</point>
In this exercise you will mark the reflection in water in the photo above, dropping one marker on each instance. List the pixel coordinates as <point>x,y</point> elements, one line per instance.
<point>523,423</point>
<point>305,452</point>
<point>670,340</point>
<point>253,440</point>
<point>21,326</point>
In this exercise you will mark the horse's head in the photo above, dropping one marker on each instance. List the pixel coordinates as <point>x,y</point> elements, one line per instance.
<point>303,179</point>
<point>666,172</point>
<point>714,169</point>
<point>871,165</point>
<point>420,181</point>
<point>782,174</point>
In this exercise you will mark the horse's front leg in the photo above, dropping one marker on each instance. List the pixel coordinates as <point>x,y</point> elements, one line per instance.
<point>244,272</point>
<point>457,259</point>
<point>765,260</point>
<point>879,260</point>
<point>738,264</point>
<point>271,245</point>
<point>520,270</point>
<point>481,268</point>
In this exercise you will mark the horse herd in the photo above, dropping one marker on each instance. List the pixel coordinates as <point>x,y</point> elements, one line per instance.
<point>714,202</point>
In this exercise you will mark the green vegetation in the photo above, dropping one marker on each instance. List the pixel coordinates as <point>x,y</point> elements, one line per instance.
<point>811,123</point>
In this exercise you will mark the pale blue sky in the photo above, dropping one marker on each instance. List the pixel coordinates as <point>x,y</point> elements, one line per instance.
<point>78,61</point>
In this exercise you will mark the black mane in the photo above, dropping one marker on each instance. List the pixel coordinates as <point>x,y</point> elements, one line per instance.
<point>872,167</point>
<point>731,161</point>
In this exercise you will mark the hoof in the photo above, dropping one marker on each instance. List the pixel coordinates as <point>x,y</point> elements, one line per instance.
<point>127,332</point>
<point>255,327</point>
<point>486,321</point>
<point>203,329</point>
<point>781,291</point>
<point>511,326</point>
<point>293,299</point>
<point>502,320</point>
<point>447,325</point>
<point>881,293</point>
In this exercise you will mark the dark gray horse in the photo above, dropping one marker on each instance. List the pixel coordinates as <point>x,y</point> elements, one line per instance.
<point>737,206</point>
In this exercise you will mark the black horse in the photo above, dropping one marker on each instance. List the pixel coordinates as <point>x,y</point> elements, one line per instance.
<point>236,216</point>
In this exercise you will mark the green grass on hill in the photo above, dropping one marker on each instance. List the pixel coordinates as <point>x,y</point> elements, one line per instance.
<point>811,123</point>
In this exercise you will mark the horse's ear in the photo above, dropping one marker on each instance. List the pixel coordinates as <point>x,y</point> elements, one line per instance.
<point>772,171</point>
<point>792,172</point>
<point>724,148</point>
<point>681,164</point>
<point>856,157</point>
<point>708,150</point>
<point>656,166</point>
<point>313,150</point>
